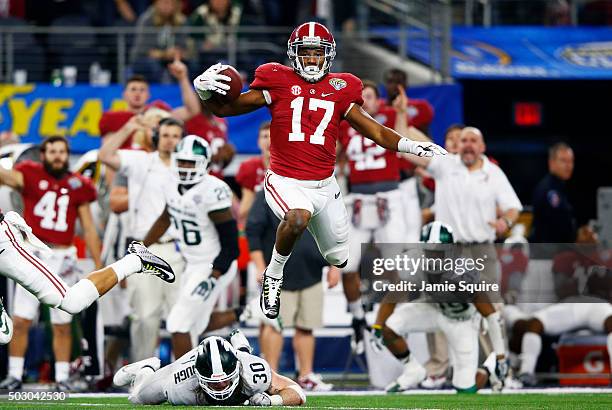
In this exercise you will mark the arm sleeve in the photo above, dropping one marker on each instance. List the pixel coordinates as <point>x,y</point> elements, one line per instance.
<point>219,198</point>
<point>228,236</point>
<point>150,388</point>
<point>257,223</point>
<point>505,196</point>
<point>255,373</point>
<point>87,193</point>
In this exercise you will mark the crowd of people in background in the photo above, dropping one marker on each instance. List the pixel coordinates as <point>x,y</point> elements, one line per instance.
<point>390,197</point>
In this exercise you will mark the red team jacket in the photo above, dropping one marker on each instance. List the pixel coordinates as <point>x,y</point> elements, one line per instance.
<point>51,204</point>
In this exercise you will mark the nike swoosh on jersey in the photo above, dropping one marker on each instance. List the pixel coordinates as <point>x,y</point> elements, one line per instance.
<point>337,195</point>
<point>326,94</point>
<point>2,250</point>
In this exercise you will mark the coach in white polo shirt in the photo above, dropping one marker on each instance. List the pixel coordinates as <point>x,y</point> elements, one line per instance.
<point>470,190</point>
<point>146,173</point>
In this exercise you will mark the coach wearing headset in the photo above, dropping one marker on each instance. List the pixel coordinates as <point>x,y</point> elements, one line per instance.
<point>143,171</point>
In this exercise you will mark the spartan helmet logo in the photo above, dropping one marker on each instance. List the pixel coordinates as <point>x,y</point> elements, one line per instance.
<point>190,160</point>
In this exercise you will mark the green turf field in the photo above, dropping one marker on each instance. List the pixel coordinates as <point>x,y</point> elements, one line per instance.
<point>429,401</point>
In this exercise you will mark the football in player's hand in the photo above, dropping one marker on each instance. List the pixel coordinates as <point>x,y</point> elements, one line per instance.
<point>235,85</point>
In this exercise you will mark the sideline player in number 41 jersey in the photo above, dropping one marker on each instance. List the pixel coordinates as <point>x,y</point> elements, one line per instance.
<point>307,104</point>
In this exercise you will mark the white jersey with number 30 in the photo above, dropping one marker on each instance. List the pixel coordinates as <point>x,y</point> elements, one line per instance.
<point>182,388</point>
<point>193,228</point>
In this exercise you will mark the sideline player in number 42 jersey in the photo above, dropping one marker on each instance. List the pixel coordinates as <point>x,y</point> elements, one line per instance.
<point>307,104</point>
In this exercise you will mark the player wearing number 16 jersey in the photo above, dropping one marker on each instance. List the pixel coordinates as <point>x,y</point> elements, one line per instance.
<point>199,217</point>
<point>307,104</point>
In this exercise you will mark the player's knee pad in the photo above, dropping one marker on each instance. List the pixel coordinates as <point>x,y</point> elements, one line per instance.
<point>338,256</point>
<point>79,297</point>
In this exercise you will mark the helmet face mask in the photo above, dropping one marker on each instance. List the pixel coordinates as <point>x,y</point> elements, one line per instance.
<point>303,41</point>
<point>189,161</point>
<point>217,368</point>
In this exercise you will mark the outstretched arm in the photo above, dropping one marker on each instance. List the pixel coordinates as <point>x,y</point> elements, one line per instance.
<point>388,138</point>
<point>211,82</point>
<point>246,102</point>
<point>191,103</point>
<point>11,178</point>
<point>282,392</point>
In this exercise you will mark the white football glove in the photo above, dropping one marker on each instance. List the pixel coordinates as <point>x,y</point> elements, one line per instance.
<point>426,149</point>
<point>376,339</point>
<point>210,81</point>
<point>260,399</point>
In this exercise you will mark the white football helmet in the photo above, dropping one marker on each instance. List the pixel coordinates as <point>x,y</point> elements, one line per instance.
<point>191,149</point>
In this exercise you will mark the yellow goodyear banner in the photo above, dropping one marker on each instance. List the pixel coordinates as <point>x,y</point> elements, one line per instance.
<point>38,111</point>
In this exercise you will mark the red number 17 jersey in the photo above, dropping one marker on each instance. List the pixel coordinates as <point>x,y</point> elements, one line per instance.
<point>305,119</point>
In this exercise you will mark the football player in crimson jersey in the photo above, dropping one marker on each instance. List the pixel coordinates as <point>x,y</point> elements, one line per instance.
<point>53,200</point>
<point>251,173</point>
<point>307,104</point>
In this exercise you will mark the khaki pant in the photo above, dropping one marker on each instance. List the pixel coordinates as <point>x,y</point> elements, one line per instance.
<point>150,298</point>
<point>303,308</point>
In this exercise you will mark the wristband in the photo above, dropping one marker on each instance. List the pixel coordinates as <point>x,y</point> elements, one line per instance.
<point>203,94</point>
<point>377,327</point>
<point>276,400</point>
<point>405,145</point>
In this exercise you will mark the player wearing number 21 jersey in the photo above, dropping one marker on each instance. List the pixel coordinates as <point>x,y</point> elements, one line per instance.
<point>198,214</point>
<point>307,103</point>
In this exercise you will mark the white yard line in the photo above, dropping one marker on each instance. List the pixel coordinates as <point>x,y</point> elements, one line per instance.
<point>549,390</point>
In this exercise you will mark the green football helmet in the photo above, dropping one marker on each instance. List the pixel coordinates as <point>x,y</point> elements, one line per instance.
<point>437,233</point>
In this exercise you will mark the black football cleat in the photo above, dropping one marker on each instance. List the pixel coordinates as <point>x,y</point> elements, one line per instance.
<point>151,264</point>
<point>270,296</point>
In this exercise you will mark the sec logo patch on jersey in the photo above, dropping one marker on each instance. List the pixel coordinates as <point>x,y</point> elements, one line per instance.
<point>296,90</point>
